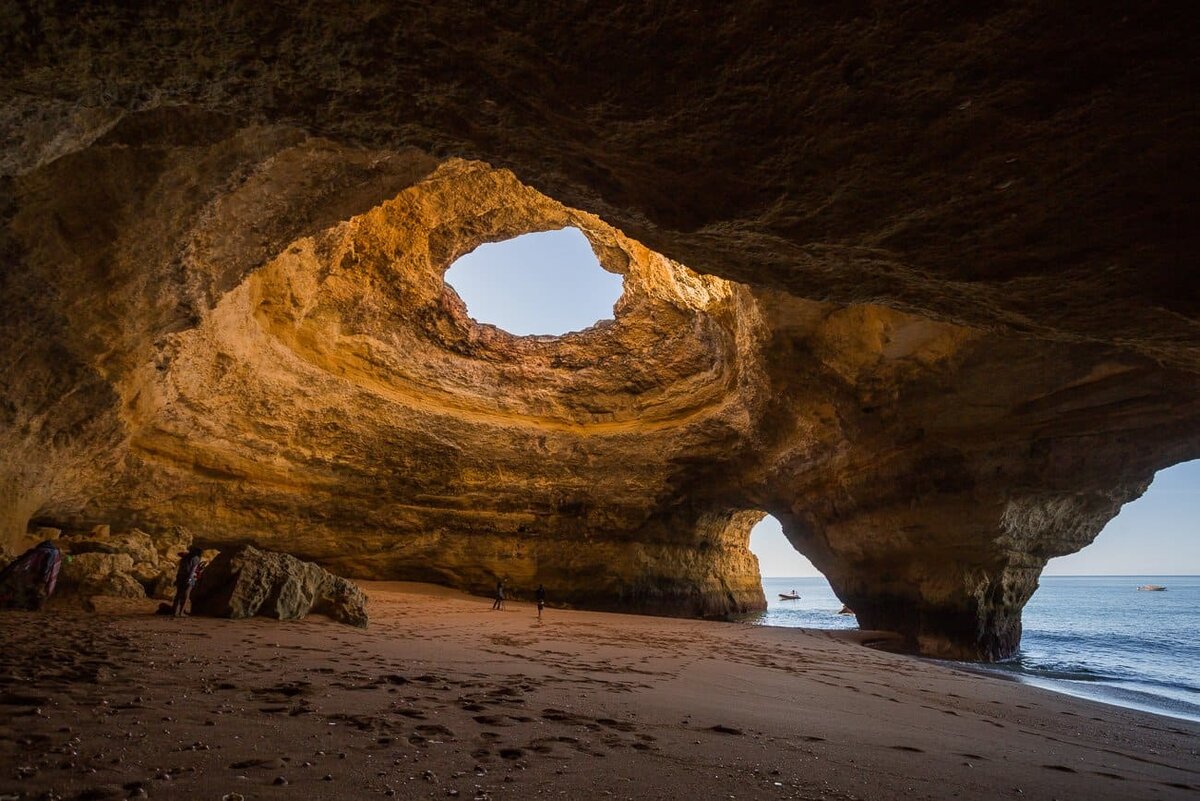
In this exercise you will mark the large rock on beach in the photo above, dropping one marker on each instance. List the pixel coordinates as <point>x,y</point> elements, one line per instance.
<point>90,574</point>
<point>125,564</point>
<point>245,582</point>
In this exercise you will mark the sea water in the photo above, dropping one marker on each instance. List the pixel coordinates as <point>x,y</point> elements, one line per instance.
<point>1096,637</point>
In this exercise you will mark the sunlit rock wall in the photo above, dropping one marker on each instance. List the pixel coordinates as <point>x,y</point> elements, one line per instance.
<point>926,296</point>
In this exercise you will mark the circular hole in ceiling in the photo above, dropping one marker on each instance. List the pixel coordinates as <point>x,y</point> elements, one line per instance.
<point>544,283</point>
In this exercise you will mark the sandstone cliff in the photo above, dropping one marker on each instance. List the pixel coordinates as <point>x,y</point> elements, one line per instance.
<point>919,287</point>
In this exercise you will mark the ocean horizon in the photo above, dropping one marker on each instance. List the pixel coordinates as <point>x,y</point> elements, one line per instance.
<point>1089,636</point>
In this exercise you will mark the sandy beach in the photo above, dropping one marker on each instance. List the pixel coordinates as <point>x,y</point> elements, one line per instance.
<point>442,697</point>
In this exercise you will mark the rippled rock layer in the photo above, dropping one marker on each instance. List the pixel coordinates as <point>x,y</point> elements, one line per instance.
<point>926,294</point>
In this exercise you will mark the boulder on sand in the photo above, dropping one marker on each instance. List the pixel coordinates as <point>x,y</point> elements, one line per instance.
<point>245,581</point>
<point>92,573</point>
<point>153,561</point>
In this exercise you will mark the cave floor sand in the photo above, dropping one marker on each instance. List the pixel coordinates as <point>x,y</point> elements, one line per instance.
<point>442,697</point>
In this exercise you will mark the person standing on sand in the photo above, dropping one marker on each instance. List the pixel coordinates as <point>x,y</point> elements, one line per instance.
<point>499,602</point>
<point>185,579</point>
<point>540,595</point>
<point>29,581</point>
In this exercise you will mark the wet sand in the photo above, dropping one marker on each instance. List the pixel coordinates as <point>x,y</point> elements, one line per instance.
<point>442,697</point>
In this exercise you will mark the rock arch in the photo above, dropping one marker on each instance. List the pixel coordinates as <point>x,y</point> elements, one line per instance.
<point>928,306</point>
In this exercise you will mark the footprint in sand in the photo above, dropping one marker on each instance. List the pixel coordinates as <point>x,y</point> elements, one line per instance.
<point>619,725</point>
<point>257,763</point>
<point>415,714</point>
<point>391,678</point>
<point>493,720</point>
<point>435,730</point>
<point>568,718</point>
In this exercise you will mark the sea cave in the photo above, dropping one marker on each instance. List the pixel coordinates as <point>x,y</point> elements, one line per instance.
<point>912,280</point>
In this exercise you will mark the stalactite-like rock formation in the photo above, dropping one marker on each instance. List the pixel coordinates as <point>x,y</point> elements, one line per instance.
<point>924,295</point>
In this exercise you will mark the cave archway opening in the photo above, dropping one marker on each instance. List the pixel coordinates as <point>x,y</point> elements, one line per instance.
<point>545,283</point>
<point>1154,535</point>
<point>1088,630</point>
<point>785,571</point>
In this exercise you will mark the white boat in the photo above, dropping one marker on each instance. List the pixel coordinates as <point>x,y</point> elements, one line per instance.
<point>1151,588</point>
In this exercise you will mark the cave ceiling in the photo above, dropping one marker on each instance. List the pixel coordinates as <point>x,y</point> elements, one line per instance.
<point>916,279</point>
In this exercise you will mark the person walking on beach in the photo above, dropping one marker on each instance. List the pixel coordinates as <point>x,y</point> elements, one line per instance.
<point>540,595</point>
<point>29,581</point>
<point>499,602</point>
<point>185,580</point>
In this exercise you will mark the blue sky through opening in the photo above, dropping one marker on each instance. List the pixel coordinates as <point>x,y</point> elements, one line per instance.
<point>1155,535</point>
<point>551,283</point>
<point>542,283</point>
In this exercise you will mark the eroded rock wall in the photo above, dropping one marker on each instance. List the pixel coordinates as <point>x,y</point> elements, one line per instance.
<point>937,313</point>
<point>335,400</point>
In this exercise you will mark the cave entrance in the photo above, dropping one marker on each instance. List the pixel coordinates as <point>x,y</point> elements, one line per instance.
<point>1152,536</point>
<point>1088,631</point>
<point>547,283</point>
<point>784,570</point>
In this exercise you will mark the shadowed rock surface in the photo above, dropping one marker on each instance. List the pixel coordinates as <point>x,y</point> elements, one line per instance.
<point>124,564</point>
<point>245,582</point>
<point>938,313</point>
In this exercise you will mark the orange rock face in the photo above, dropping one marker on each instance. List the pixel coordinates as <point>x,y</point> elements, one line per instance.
<point>921,302</point>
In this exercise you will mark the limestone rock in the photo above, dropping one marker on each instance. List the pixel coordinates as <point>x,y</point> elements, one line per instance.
<point>129,564</point>
<point>940,324</point>
<point>244,582</point>
<point>161,586</point>
<point>171,542</point>
<point>138,545</point>
<point>92,573</point>
<point>145,573</point>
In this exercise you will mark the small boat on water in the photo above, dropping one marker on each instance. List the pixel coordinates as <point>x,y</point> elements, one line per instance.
<point>790,596</point>
<point>1151,588</point>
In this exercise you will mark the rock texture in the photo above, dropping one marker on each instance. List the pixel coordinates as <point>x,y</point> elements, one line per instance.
<point>245,582</point>
<point>937,313</point>
<point>92,574</point>
<point>126,564</point>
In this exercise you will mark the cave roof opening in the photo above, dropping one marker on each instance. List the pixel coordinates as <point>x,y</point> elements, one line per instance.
<point>544,283</point>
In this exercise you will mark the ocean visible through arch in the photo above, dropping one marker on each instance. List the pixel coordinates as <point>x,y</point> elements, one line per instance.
<point>1094,637</point>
